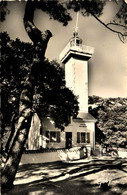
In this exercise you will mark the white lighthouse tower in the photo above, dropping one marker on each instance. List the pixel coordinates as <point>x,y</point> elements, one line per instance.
<point>75,58</point>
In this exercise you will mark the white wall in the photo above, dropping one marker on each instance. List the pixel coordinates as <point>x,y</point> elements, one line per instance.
<point>34,133</point>
<point>76,76</point>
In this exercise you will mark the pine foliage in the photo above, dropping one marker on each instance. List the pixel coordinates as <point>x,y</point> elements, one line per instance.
<point>111,114</point>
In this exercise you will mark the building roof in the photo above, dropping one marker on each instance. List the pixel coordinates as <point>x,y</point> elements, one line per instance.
<point>86,117</point>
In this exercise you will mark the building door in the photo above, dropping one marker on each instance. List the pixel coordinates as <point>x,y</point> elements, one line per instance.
<point>68,139</point>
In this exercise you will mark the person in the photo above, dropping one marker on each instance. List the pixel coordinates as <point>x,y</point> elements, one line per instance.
<point>81,152</point>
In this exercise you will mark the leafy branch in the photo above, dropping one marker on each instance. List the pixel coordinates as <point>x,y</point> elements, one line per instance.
<point>117,24</point>
<point>119,33</point>
<point>95,9</point>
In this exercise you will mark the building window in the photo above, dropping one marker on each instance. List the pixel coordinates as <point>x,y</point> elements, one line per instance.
<point>83,137</point>
<point>77,42</point>
<point>53,136</point>
<point>40,130</point>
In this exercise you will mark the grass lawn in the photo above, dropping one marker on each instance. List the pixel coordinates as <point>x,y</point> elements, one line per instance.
<point>88,176</point>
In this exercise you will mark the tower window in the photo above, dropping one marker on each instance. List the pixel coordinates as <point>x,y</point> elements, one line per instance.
<point>77,42</point>
<point>72,43</point>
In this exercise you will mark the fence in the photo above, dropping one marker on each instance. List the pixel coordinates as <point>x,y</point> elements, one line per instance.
<point>48,155</point>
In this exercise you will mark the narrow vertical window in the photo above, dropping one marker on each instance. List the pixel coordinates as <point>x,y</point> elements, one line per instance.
<point>47,136</point>
<point>88,137</point>
<point>52,136</point>
<point>78,137</point>
<point>82,137</point>
<point>58,137</point>
<point>40,130</point>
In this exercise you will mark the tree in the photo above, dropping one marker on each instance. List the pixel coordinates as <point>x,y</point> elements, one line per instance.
<point>3,10</point>
<point>93,8</point>
<point>111,114</point>
<point>40,41</point>
<point>14,70</point>
<point>25,115</point>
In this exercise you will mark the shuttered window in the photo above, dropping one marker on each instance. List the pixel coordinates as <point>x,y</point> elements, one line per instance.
<point>58,137</point>
<point>78,137</point>
<point>53,136</point>
<point>47,136</point>
<point>83,137</point>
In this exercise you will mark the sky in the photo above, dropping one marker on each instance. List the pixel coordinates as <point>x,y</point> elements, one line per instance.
<point>108,65</point>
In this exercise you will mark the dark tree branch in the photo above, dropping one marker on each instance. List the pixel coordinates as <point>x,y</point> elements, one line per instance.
<point>120,34</point>
<point>116,24</point>
<point>29,11</point>
<point>86,10</point>
<point>120,37</point>
<point>40,39</point>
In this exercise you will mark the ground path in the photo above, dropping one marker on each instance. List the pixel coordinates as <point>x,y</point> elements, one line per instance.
<point>72,178</point>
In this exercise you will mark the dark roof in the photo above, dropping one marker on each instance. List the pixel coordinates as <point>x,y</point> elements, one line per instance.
<point>86,117</point>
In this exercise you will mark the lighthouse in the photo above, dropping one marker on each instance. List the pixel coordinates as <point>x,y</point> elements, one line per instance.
<point>81,130</point>
<point>75,58</point>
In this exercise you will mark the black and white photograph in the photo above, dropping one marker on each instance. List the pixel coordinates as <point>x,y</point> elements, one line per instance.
<point>63,97</point>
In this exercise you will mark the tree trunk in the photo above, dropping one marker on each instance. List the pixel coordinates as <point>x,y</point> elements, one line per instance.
<point>40,41</point>
<point>9,141</point>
